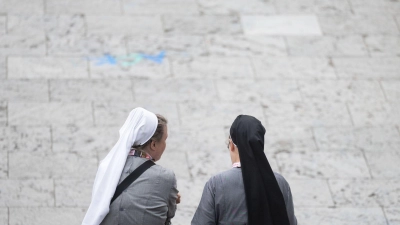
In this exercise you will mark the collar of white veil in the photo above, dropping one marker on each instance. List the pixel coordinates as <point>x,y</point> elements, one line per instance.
<point>138,128</point>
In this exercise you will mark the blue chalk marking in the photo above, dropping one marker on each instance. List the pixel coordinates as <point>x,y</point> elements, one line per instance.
<point>128,60</point>
<point>158,58</point>
<point>107,59</point>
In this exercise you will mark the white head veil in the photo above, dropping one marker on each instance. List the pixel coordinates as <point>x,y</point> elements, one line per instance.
<point>138,128</point>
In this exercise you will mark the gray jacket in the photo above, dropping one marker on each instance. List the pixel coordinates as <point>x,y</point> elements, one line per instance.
<point>224,203</point>
<point>149,200</point>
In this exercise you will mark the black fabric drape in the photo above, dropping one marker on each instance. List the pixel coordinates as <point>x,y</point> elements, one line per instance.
<point>265,203</point>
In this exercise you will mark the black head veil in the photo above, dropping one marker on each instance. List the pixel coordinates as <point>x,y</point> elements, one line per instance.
<point>265,203</point>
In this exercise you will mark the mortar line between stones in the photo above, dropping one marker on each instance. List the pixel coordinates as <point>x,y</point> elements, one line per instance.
<point>7,112</point>
<point>286,46</point>
<point>300,92</point>
<point>54,189</point>
<point>51,138</point>
<point>8,164</point>
<point>8,212</point>
<point>216,90</point>
<point>187,162</point>
<point>315,139</point>
<point>330,191</point>
<point>383,91</point>
<point>384,213</point>
<point>94,118</point>
<point>397,23</point>
<point>121,7</point>
<point>132,89</point>
<point>44,6</point>
<point>349,112</point>
<point>179,114</point>
<point>6,67</point>
<point>366,161</point>
<point>330,62</point>
<point>351,7</point>
<point>366,46</point>
<point>253,68</point>
<point>48,90</point>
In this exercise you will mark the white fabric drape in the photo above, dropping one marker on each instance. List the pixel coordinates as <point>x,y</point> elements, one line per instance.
<point>138,128</point>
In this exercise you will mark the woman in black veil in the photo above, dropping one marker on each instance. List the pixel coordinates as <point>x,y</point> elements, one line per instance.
<point>250,192</point>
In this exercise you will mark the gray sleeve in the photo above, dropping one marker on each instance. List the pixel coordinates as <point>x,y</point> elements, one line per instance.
<point>205,213</point>
<point>173,194</point>
<point>290,207</point>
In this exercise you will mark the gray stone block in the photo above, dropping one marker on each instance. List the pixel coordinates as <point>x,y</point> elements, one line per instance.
<point>52,165</point>
<point>320,7</point>
<point>26,139</point>
<point>83,139</point>
<point>358,24</point>
<point>214,114</point>
<point>18,44</point>
<point>73,193</point>
<point>46,216</point>
<point>4,216</point>
<point>47,68</point>
<point>368,7</point>
<point>50,114</point>
<point>393,215</point>
<point>293,68</point>
<point>202,25</point>
<point>92,47</point>
<point>371,139</point>
<point>3,25</point>
<point>392,90</point>
<point>124,25</point>
<point>3,164</point>
<point>151,7</point>
<point>352,45</point>
<point>343,216</point>
<point>265,91</point>
<point>383,164</point>
<point>213,67</point>
<point>26,193</point>
<point>24,90</point>
<point>3,113</point>
<point>21,6</point>
<point>367,68</point>
<point>175,161</point>
<point>325,165</point>
<point>115,114</point>
<point>90,7</point>
<point>383,45</point>
<point>127,69</point>
<point>341,91</point>
<point>375,114</point>
<point>52,25</point>
<point>314,114</point>
<point>91,90</point>
<point>281,25</point>
<point>365,193</point>
<point>296,139</point>
<point>220,7</point>
<point>241,45</point>
<point>306,194</point>
<point>3,68</point>
<point>175,46</point>
<point>175,90</point>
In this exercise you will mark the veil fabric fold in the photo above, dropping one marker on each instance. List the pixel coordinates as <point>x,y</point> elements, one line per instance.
<point>138,128</point>
<point>264,199</point>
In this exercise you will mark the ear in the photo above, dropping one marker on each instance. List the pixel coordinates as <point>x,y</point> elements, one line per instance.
<point>231,147</point>
<point>153,146</point>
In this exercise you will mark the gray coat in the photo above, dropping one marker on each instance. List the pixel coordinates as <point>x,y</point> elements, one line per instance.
<point>224,203</point>
<point>149,200</point>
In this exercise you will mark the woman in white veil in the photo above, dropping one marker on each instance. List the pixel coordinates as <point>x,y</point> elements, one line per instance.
<point>147,132</point>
